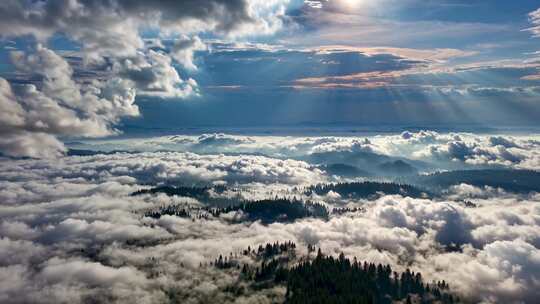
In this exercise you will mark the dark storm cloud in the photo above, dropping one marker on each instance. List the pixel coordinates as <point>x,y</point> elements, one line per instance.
<point>47,17</point>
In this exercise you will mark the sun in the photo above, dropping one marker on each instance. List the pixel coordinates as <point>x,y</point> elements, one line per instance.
<point>351,4</point>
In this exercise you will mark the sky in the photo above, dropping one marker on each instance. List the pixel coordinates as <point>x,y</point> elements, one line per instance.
<point>258,100</point>
<point>101,68</point>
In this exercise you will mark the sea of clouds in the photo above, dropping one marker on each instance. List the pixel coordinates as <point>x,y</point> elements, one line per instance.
<point>444,150</point>
<point>71,232</point>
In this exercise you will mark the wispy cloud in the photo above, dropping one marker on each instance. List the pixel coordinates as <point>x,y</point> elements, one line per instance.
<point>534,18</point>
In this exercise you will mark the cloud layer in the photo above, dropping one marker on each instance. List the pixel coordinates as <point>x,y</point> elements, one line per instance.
<point>47,96</point>
<point>436,150</point>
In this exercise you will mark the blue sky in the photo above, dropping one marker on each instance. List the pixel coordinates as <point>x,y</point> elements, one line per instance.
<point>363,62</point>
<point>477,79</point>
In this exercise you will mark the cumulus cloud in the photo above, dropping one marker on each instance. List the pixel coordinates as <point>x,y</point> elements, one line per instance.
<point>485,151</point>
<point>159,167</point>
<point>184,48</point>
<point>430,150</point>
<point>462,150</point>
<point>76,280</point>
<point>33,117</point>
<point>496,274</point>
<point>114,25</point>
<point>152,74</point>
<point>117,62</point>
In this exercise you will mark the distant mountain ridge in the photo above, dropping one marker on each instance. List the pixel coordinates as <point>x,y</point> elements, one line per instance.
<point>511,180</point>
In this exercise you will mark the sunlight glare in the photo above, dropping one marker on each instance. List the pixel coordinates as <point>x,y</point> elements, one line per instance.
<point>352,4</point>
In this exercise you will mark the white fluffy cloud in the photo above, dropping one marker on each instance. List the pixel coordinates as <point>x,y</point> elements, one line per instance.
<point>112,26</point>
<point>437,150</point>
<point>152,74</point>
<point>60,107</point>
<point>463,150</point>
<point>184,48</point>
<point>484,151</point>
<point>118,172</point>
<point>116,61</point>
